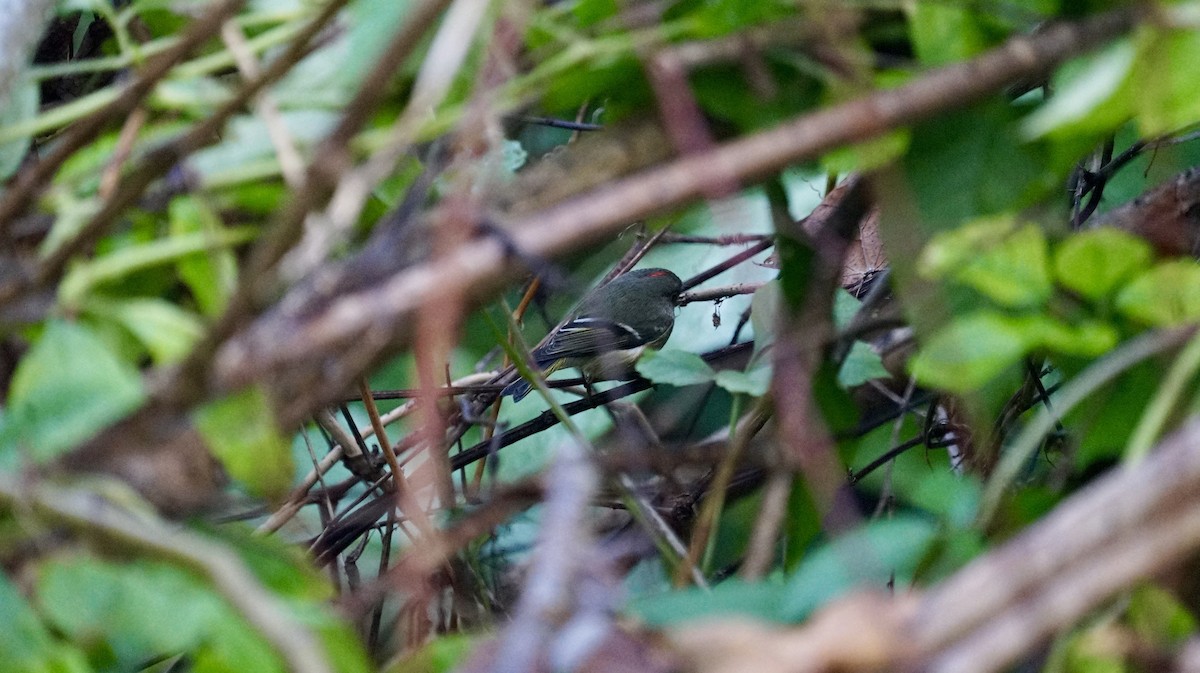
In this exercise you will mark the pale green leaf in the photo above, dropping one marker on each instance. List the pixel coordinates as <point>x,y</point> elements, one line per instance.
<point>241,431</point>
<point>674,367</point>
<point>971,350</point>
<point>1167,295</point>
<point>1165,76</point>
<point>755,381</point>
<point>22,105</point>
<point>1096,262</point>
<point>167,331</point>
<point>1015,271</point>
<point>1091,94</point>
<point>121,262</point>
<point>210,276</point>
<point>882,553</point>
<point>862,364</point>
<point>69,386</point>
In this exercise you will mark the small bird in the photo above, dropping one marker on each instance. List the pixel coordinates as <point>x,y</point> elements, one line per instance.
<point>610,328</point>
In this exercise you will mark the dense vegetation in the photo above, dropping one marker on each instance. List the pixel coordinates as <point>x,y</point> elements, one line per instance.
<point>926,405</point>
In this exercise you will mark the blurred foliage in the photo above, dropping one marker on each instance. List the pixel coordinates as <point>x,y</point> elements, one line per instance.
<point>982,259</point>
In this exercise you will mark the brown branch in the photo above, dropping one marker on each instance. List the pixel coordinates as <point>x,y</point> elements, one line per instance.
<point>717,293</point>
<point>1108,521</point>
<point>1131,524</point>
<point>803,328</point>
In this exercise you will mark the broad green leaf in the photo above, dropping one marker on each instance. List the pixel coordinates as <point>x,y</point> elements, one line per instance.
<point>1160,617</point>
<point>1096,262</point>
<point>26,645</point>
<point>948,252</point>
<point>972,350</point>
<point>1092,94</point>
<point>1088,338</point>
<point>142,608</point>
<point>944,33</point>
<point>447,652</point>
<point>167,331</point>
<point>755,381</point>
<point>69,386</point>
<point>1008,265</point>
<point>1168,294</point>
<point>674,367</point>
<point>882,552</point>
<point>971,163</point>
<point>234,647</point>
<point>210,276</point>
<point>862,364</point>
<point>733,597</point>
<point>1165,75</point>
<point>279,564</point>
<point>240,429</point>
<point>867,154</point>
<point>83,277</point>
<point>953,497</point>
<point>764,314</point>
<point>22,105</point>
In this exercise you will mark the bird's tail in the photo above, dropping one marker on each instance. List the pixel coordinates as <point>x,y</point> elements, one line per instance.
<point>520,388</point>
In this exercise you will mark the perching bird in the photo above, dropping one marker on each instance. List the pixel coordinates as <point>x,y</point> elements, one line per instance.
<point>610,328</point>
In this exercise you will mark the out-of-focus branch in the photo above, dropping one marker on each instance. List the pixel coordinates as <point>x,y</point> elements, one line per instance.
<point>1130,525</point>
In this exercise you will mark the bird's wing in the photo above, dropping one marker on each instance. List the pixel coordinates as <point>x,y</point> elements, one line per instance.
<point>584,337</point>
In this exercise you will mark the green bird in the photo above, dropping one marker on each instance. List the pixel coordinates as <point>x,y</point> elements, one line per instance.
<point>610,328</point>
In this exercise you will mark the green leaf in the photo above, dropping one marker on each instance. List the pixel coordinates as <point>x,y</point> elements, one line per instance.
<point>143,608</point>
<point>862,364</point>
<point>755,381</point>
<point>881,552</point>
<point>1168,294</point>
<point>948,252</point>
<point>971,163</point>
<point>1159,617</point>
<point>972,350</point>
<point>1092,94</point>
<point>212,275</point>
<point>764,313</point>
<point>1165,75</point>
<point>26,645</point>
<point>167,331</point>
<point>953,497</point>
<point>22,105</point>
<point>944,33</point>
<point>448,652</point>
<point>240,429</point>
<point>1007,264</point>
<point>69,386</point>
<point>868,154</point>
<point>124,261</point>
<point>733,597</point>
<point>674,367</point>
<point>1087,339</point>
<point>279,564</point>
<point>1096,262</point>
